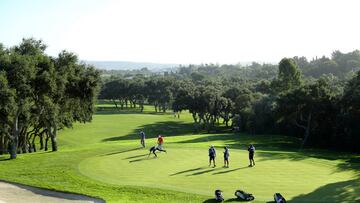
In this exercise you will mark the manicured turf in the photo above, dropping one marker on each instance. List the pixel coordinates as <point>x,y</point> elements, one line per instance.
<point>103,159</point>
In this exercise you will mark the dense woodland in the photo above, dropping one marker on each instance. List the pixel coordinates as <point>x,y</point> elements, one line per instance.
<point>40,95</point>
<point>317,101</point>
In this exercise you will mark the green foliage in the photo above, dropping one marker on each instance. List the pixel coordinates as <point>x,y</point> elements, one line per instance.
<point>289,77</point>
<point>340,64</point>
<point>251,98</point>
<point>42,95</point>
<point>351,107</point>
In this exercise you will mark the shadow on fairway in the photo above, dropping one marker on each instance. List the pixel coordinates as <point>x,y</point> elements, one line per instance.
<point>190,170</point>
<point>210,201</point>
<point>202,172</point>
<point>240,200</point>
<point>235,200</point>
<point>242,140</point>
<point>349,163</point>
<point>345,191</point>
<point>137,156</point>
<point>142,159</point>
<point>120,152</point>
<point>231,170</point>
<point>5,159</point>
<point>108,110</point>
<point>166,128</point>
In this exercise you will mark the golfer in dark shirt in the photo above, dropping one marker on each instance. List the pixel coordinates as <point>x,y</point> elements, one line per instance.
<point>226,157</point>
<point>212,155</point>
<point>251,150</point>
<point>142,138</point>
<point>154,149</point>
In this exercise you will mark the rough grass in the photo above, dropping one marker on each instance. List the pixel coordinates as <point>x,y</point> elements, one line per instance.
<point>103,159</point>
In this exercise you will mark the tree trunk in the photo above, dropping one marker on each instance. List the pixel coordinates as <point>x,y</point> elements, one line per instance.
<point>13,148</point>
<point>2,144</point>
<point>24,137</point>
<point>41,137</point>
<point>33,145</point>
<point>141,106</point>
<point>53,134</point>
<point>114,101</point>
<point>14,138</point>
<point>307,131</point>
<point>47,140</point>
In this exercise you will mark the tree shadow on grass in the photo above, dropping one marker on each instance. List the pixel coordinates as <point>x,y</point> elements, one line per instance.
<point>345,191</point>
<point>109,110</point>
<point>241,141</point>
<point>166,128</point>
<point>349,161</point>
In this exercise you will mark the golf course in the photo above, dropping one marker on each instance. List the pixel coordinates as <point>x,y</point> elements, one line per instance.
<point>104,159</point>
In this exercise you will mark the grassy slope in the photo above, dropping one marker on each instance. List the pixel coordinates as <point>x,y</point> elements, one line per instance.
<point>101,159</point>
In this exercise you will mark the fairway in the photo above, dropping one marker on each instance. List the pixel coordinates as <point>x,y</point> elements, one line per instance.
<point>186,170</point>
<point>104,159</point>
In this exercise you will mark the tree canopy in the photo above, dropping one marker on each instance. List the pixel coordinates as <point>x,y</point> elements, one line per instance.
<point>314,100</point>
<point>41,94</point>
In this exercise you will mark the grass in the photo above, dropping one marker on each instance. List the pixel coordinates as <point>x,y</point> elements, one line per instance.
<point>103,159</point>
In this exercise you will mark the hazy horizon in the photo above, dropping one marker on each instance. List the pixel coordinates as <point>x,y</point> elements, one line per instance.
<point>184,32</point>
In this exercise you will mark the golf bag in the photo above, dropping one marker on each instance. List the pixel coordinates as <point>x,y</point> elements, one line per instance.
<point>241,195</point>
<point>278,198</point>
<point>218,196</point>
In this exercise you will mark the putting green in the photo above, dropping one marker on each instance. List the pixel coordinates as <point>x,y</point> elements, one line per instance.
<point>186,170</point>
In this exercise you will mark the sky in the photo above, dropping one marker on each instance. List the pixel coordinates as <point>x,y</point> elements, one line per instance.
<point>184,31</point>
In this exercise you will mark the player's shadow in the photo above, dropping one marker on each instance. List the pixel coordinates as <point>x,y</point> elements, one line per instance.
<point>6,159</point>
<point>238,200</point>
<point>210,201</point>
<point>202,172</point>
<point>185,171</point>
<point>231,170</point>
<point>142,159</point>
<point>133,157</point>
<point>120,152</point>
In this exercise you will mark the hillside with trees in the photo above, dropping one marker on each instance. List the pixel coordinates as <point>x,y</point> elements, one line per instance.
<point>316,101</point>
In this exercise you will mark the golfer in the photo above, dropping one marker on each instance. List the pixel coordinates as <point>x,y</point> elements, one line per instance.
<point>226,157</point>
<point>142,138</point>
<point>160,142</point>
<point>212,155</point>
<point>251,150</point>
<point>154,149</point>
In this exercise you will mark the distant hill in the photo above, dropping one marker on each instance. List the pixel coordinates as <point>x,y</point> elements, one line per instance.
<point>127,65</point>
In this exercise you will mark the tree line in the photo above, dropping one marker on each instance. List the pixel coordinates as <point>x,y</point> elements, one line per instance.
<point>40,95</point>
<point>262,99</point>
